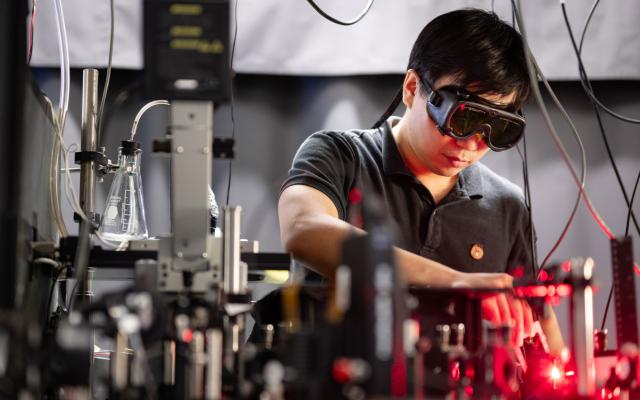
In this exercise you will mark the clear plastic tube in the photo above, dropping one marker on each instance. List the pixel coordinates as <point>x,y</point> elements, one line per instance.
<point>144,109</point>
<point>61,54</point>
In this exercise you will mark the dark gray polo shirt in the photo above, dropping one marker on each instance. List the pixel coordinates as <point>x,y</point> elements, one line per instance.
<point>482,225</point>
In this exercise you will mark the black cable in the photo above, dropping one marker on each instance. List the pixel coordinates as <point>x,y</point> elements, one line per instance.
<point>81,261</point>
<point>606,308</point>
<point>232,100</point>
<point>116,101</point>
<point>390,109</point>
<point>109,65</point>
<point>527,204</point>
<point>586,24</point>
<point>337,21</point>
<point>584,78</point>
<point>527,189</point>
<point>585,81</point>
<point>626,233</point>
<point>534,72</point>
<point>633,196</point>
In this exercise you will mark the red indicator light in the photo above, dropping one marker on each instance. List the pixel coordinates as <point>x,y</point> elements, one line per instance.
<point>518,272</point>
<point>187,335</point>
<point>543,275</point>
<point>355,196</point>
<point>455,371</point>
<point>341,370</point>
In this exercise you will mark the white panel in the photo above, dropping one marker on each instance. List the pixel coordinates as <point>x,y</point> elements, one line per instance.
<point>289,37</point>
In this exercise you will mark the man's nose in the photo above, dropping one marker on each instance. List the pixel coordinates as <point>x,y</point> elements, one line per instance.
<point>472,143</point>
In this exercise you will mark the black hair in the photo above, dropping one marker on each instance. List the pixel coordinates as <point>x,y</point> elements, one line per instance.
<point>477,48</point>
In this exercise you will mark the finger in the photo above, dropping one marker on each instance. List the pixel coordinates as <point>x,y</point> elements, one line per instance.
<point>527,315</point>
<point>517,314</point>
<point>503,309</point>
<point>506,281</point>
<point>490,310</point>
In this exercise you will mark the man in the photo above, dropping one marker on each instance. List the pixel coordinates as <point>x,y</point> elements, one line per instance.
<point>461,224</point>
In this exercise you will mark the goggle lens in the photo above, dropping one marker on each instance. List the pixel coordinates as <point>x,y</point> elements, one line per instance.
<point>468,120</point>
<point>505,133</point>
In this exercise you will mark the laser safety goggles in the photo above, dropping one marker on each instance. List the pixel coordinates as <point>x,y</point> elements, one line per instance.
<point>462,115</point>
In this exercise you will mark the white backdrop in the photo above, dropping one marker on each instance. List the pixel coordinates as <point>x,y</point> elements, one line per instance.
<point>288,37</point>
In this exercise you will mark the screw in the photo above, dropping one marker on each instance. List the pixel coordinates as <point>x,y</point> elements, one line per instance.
<point>179,149</point>
<point>205,150</point>
<point>205,255</point>
<point>179,254</point>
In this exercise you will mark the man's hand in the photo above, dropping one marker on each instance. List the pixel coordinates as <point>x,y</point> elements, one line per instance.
<point>501,308</point>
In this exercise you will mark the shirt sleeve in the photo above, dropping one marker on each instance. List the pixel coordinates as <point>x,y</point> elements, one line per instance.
<point>325,161</point>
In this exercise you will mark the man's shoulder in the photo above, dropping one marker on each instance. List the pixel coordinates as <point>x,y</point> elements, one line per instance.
<point>355,136</point>
<point>497,186</point>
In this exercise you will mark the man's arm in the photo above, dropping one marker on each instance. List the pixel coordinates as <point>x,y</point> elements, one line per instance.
<point>311,230</point>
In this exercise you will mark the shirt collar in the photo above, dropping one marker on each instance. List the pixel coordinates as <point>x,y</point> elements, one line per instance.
<point>469,181</point>
<point>392,162</point>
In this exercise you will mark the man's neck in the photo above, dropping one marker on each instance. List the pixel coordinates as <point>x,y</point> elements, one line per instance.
<point>438,185</point>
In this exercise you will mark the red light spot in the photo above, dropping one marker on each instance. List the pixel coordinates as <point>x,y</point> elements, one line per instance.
<point>341,370</point>
<point>518,272</point>
<point>539,291</point>
<point>469,391</point>
<point>355,196</point>
<point>555,373</point>
<point>636,269</point>
<point>566,266</point>
<point>461,107</point>
<point>187,335</point>
<point>543,275</point>
<point>563,290</point>
<point>455,371</point>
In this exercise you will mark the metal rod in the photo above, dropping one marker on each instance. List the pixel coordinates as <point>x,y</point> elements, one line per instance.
<point>169,367</point>
<point>582,328</point>
<point>235,277</point>
<point>196,366</point>
<point>89,139</point>
<point>213,385</point>
<point>120,363</point>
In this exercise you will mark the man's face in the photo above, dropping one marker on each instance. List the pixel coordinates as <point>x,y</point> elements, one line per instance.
<point>433,151</point>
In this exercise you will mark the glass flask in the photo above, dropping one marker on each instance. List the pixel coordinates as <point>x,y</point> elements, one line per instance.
<point>123,217</point>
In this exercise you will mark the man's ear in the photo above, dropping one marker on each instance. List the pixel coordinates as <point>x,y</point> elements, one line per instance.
<point>410,88</point>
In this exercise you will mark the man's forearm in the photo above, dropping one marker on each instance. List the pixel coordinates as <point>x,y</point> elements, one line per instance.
<point>318,243</point>
<point>313,233</point>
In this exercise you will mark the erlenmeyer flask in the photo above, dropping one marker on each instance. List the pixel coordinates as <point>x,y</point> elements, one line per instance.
<point>123,217</point>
